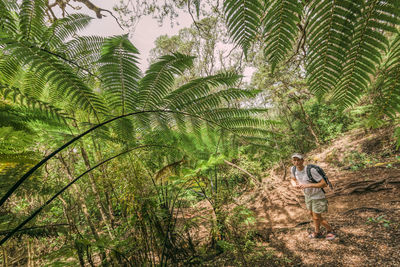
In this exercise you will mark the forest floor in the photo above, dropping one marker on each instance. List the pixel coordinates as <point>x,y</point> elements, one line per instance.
<point>364,208</point>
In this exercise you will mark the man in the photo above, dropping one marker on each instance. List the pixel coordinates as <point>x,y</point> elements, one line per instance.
<point>315,199</point>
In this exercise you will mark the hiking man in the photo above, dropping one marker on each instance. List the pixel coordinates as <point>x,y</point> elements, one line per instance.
<point>315,199</point>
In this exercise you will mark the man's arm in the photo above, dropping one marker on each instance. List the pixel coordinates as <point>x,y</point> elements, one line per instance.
<point>294,183</point>
<point>320,184</point>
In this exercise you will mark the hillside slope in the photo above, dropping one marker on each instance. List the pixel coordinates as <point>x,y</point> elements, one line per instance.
<point>364,208</point>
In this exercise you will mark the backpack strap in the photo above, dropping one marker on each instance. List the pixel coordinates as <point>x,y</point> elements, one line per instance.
<point>293,169</point>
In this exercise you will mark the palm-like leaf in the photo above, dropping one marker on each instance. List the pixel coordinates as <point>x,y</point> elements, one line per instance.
<point>198,88</point>
<point>330,31</point>
<point>8,22</point>
<point>243,20</point>
<point>280,29</point>
<point>367,46</point>
<point>388,84</point>
<point>64,28</point>
<point>56,73</point>
<point>159,79</point>
<point>27,100</point>
<point>119,72</point>
<point>31,15</point>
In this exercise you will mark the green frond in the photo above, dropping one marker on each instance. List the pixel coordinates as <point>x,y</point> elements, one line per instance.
<point>8,23</point>
<point>84,50</point>
<point>215,100</point>
<point>280,29</point>
<point>329,34</point>
<point>15,94</point>
<point>388,84</point>
<point>198,88</point>
<point>32,19</point>
<point>120,72</point>
<point>236,122</point>
<point>62,29</point>
<point>243,20</point>
<point>227,113</point>
<point>159,79</point>
<point>57,74</point>
<point>32,84</point>
<point>367,46</point>
<point>9,69</point>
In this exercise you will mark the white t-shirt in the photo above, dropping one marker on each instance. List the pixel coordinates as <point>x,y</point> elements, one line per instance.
<point>302,178</point>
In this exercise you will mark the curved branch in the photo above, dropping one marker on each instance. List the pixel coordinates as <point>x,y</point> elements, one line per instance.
<point>16,229</point>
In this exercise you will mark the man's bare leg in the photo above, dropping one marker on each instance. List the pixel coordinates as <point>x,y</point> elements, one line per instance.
<point>318,221</point>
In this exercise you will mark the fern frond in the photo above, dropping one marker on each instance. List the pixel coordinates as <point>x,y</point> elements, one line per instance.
<point>9,69</point>
<point>120,72</point>
<point>330,31</point>
<point>31,16</point>
<point>8,23</point>
<point>159,79</point>
<point>57,74</point>
<point>368,44</point>
<point>243,20</point>
<point>84,50</point>
<point>226,113</point>
<point>214,100</point>
<point>199,88</point>
<point>388,84</point>
<point>62,29</point>
<point>280,29</point>
<point>27,100</point>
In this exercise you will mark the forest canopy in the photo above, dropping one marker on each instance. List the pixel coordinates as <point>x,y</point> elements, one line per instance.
<point>107,161</point>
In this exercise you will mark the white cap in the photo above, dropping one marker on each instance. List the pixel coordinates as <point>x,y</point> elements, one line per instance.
<point>297,155</point>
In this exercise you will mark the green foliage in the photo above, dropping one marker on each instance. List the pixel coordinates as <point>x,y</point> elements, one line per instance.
<point>243,20</point>
<point>120,73</point>
<point>280,29</point>
<point>345,43</point>
<point>358,160</point>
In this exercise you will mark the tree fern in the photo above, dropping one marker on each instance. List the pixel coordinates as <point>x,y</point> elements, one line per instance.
<point>27,100</point>
<point>198,88</point>
<point>32,14</point>
<point>280,29</point>
<point>159,79</point>
<point>62,29</point>
<point>84,51</point>
<point>120,72</point>
<point>331,27</point>
<point>388,85</point>
<point>367,46</point>
<point>56,73</point>
<point>243,20</point>
<point>8,23</point>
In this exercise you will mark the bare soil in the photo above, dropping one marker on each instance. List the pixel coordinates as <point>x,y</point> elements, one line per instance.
<point>364,208</point>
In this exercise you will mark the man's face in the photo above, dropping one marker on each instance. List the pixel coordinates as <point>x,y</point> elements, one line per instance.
<point>297,162</point>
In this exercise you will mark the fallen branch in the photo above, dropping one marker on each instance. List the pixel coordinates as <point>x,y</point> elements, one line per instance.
<point>243,170</point>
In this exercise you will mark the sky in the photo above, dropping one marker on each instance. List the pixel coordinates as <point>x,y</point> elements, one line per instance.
<point>146,31</point>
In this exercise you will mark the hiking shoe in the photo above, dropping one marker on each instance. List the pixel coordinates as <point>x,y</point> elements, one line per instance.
<point>315,235</point>
<point>330,236</point>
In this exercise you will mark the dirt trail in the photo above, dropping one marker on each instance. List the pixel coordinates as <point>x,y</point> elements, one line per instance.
<point>364,209</point>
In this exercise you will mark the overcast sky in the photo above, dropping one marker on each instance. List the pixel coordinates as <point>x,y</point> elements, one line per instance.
<point>146,31</point>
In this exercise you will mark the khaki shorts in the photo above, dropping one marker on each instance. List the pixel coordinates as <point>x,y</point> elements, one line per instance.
<point>317,205</point>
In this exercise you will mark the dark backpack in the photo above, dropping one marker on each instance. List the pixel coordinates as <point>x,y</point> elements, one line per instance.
<point>311,179</point>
